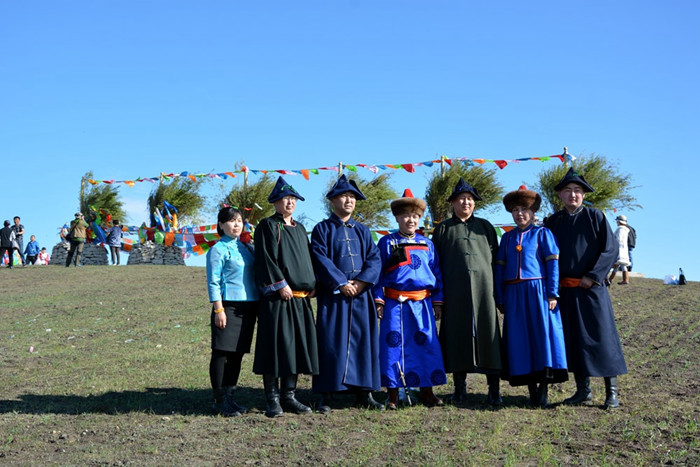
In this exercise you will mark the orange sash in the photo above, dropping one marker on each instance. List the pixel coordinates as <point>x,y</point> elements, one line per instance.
<point>300,293</point>
<point>415,295</point>
<point>569,282</point>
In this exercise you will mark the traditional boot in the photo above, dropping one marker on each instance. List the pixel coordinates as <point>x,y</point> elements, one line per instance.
<point>611,400</point>
<point>324,405</point>
<point>230,407</point>
<point>534,396</point>
<point>289,385</point>
<point>428,397</point>
<point>494,395</point>
<point>460,381</point>
<point>364,399</point>
<point>218,405</point>
<point>583,393</point>
<point>272,394</point>
<point>393,402</point>
<point>542,393</point>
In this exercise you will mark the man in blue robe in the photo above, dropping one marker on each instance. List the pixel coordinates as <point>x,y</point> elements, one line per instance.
<point>588,249</point>
<point>347,266</point>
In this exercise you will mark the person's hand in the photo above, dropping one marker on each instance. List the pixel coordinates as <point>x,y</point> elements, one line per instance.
<point>349,289</point>
<point>552,303</point>
<point>312,294</point>
<point>359,286</point>
<point>220,320</point>
<point>286,293</point>
<point>501,308</point>
<point>380,310</point>
<point>586,282</point>
<point>437,311</point>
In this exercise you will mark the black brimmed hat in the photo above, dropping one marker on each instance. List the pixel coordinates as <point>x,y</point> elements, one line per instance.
<point>464,187</point>
<point>573,177</point>
<point>343,185</point>
<point>282,189</point>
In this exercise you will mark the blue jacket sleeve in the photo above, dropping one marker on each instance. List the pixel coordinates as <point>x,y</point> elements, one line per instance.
<point>215,263</point>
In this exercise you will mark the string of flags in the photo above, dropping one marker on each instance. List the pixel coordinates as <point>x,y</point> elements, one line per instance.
<point>408,167</point>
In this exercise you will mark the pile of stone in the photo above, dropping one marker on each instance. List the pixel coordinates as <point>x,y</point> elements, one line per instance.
<point>153,253</point>
<point>93,255</point>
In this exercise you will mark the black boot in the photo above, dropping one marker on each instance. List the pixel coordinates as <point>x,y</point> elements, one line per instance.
<point>272,394</point>
<point>534,397</point>
<point>289,402</point>
<point>583,393</point>
<point>218,405</point>
<point>494,395</point>
<point>542,393</point>
<point>460,382</point>
<point>365,399</point>
<point>324,405</point>
<point>230,408</point>
<point>611,401</point>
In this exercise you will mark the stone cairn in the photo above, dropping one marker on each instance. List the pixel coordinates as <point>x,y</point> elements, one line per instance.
<point>153,253</point>
<point>142,253</point>
<point>93,255</point>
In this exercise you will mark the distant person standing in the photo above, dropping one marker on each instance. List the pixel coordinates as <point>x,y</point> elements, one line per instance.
<point>623,262</point>
<point>7,237</point>
<point>77,232</point>
<point>43,258</point>
<point>114,241</point>
<point>19,236</point>
<point>587,252</point>
<point>32,251</point>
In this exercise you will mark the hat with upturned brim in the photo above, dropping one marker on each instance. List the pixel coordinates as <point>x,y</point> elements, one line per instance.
<point>574,177</point>
<point>343,185</point>
<point>621,219</point>
<point>464,187</point>
<point>407,203</point>
<point>522,197</point>
<point>282,189</point>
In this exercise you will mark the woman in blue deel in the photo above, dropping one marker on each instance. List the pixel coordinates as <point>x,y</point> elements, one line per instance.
<point>527,283</point>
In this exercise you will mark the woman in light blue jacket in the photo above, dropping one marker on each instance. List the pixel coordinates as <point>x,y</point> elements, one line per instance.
<point>234,298</point>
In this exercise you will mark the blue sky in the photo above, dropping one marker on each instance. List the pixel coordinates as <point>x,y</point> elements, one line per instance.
<point>132,89</point>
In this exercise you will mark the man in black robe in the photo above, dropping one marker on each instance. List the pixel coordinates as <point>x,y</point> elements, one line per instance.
<point>588,249</point>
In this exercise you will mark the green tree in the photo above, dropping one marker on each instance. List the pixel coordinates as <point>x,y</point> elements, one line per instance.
<point>247,198</point>
<point>100,196</point>
<point>613,189</point>
<point>440,186</point>
<point>181,192</point>
<point>375,211</point>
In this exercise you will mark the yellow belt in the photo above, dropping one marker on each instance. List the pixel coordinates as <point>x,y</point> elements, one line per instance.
<point>300,293</point>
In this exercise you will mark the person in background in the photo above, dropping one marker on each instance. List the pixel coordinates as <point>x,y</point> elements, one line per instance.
<point>43,258</point>
<point>19,237</point>
<point>114,241</point>
<point>347,266</point>
<point>527,284</point>
<point>234,298</point>
<point>286,343</point>
<point>7,238</point>
<point>409,299</point>
<point>32,251</point>
<point>78,232</point>
<point>623,263</point>
<point>469,330</point>
<point>63,233</point>
<point>587,252</point>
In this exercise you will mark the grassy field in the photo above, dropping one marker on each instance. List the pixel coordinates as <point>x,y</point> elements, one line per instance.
<point>109,366</point>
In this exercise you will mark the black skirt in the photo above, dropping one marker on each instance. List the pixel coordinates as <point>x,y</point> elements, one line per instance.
<point>237,336</point>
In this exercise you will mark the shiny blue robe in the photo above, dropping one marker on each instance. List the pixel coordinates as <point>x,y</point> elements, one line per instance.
<point>532,333</point>
<point>408,334</point>
<point>346,327</point>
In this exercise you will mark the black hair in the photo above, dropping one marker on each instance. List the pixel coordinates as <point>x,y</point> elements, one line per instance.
<point>225,215</point>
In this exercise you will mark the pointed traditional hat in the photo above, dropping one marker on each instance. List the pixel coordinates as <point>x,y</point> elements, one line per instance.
<point>464,187</point>
<point>282,189</point>
<point>573,177</point>
<point>407,203</point>
<point>522,197</point>
<point>343,185</point>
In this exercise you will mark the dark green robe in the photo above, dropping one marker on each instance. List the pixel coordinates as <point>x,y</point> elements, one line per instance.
<point>286,340</point>
<point>467,251</point>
